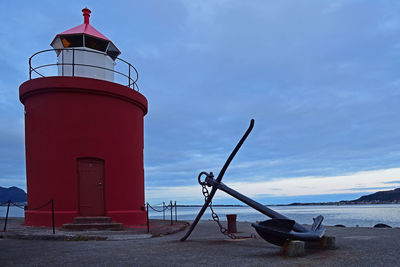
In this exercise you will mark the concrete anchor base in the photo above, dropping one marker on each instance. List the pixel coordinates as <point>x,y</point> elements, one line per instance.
<point>326,242</point>
<point>293,248</point>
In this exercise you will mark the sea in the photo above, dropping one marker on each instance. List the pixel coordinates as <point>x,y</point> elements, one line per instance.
<point>347,215</point>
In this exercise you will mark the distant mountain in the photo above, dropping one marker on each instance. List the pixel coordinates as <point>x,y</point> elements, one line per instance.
<point>13,193</point>
<point>381,196</point>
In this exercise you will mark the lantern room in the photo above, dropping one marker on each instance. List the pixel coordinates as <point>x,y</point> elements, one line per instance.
<point>84,51</point>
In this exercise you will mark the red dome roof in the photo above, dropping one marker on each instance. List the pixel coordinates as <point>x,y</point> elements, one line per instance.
<point>85,29</point>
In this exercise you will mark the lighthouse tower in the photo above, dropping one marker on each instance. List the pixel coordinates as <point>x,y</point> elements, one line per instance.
<point>83,132</point>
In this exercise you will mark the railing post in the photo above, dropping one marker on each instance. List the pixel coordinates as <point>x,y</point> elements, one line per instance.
<point>52,216</point>
<point>30,70</point>
<point>148,223</point>
<point>5,221</point>
<point>176,212</point>
<point>170,204</point>
<point>129,75</point>
<point>62,62</point>
<point>163,211</point>
<point>73,62</point>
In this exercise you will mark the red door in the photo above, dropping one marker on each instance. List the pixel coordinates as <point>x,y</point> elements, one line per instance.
<point>91,187</point>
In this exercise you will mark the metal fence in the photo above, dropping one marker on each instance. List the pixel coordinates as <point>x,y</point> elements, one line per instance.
<point>9,203</point>
<point>171,207</point>
<point>44,66</point>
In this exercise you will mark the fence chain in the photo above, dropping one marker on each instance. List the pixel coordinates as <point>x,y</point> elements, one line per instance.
<point>165,208</point>
<point>18,206</point>
<point>214,215</point>
<point>44,205</point>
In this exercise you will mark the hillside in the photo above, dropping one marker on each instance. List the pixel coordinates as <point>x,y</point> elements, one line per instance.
<point>13,193</point>
<point>381,196</point>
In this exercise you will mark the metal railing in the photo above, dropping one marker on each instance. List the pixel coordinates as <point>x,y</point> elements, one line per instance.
<point>171,206</point>
<point>130,74</point>
<point>9,202</point>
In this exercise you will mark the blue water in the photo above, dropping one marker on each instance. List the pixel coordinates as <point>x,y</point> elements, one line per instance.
<point>13,212</point>
<point>348,215</point>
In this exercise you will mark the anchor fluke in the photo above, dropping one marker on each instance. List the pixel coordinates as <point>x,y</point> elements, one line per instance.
<point>278,231</point>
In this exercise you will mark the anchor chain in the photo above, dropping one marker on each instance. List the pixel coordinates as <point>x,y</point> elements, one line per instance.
<point>214,215</point>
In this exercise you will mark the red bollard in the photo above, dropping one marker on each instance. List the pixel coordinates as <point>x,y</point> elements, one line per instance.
<point>231,223</point>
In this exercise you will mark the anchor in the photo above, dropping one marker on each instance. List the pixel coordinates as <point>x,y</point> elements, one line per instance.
<point>277,230</point>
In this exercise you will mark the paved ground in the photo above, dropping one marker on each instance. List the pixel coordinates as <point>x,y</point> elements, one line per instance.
<point>206,246</point>
<point>16,230</point>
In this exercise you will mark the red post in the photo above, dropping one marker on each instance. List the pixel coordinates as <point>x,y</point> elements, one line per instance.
<point>231,223</point>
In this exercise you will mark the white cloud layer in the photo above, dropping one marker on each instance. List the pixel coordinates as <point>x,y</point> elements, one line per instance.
<point>360,182</point>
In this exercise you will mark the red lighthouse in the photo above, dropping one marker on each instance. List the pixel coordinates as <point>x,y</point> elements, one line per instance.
<point>83,131</point>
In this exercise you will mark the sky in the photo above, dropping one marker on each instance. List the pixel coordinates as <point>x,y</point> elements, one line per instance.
<point>320,78</point>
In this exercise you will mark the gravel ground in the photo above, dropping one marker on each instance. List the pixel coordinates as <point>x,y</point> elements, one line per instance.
<point>206,246</point>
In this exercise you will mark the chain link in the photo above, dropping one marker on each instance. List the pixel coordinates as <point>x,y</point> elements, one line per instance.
<point>214,215</point>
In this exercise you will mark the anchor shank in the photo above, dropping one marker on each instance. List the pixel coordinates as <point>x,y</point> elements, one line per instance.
<point>254,204</point>
<point>219,178</point>
<point>201,212</point>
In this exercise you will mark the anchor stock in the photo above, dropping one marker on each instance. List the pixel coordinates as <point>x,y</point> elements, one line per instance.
<point>278,229</point>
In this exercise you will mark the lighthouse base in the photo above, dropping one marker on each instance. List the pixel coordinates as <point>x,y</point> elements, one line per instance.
<point>131,218</point>
<point>84,150</point>
<point>45,218</point>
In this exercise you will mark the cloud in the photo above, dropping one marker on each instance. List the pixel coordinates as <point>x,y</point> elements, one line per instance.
<point>369,189</point>
<point>393,182</point>
<point>360,182</point>
<point>319,77</point>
